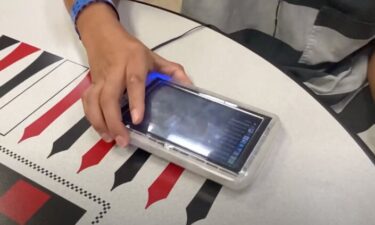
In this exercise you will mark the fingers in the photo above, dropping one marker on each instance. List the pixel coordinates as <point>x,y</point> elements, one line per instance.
<point>176,71</point>
<point>110,106</point>
<point>135,79</point>
<point>102,109</point>
<point>93,112</point>
<point>101,101</point>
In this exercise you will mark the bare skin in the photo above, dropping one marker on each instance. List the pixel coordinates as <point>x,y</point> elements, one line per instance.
<point>371,74</point>
<point>118,61</point>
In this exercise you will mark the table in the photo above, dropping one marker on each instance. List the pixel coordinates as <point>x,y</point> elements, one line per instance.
<point>319,174</point>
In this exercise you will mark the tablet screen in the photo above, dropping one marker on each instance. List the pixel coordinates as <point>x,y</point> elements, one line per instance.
<point>220,134</point>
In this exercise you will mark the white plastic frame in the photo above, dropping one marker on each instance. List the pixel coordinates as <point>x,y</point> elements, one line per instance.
<point>201,166</point>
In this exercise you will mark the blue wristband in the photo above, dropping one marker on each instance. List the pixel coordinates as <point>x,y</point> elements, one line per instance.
<point>80,5</point>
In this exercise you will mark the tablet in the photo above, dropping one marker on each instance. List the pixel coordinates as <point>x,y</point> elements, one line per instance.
<point>200,131</point>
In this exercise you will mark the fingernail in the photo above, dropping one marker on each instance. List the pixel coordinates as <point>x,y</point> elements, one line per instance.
<point>120,141</point>
<point>106,137</point>
<point>135,116</point>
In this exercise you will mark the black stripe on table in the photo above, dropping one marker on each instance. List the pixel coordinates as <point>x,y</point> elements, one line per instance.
<point>201,204</point>
<point>66,141</point>
<point>6,41</point>
<point>130,168</point>
<point>44,60</point>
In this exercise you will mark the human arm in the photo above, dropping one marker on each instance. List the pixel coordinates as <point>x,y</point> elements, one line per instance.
<point>118,61</point>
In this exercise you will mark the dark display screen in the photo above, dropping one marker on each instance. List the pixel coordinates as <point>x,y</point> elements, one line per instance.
<point>220,134</point>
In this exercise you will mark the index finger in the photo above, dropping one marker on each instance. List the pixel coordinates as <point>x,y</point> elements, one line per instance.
<point>110,106</point>
<point>136,81</point>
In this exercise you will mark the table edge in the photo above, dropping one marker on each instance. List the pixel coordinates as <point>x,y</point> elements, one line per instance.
<point>356,138</point>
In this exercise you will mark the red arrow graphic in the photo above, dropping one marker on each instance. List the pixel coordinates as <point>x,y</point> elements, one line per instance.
<point>163,185</point>
<point>95,154</point>
<point>39,125</point>
<point>18,53</point>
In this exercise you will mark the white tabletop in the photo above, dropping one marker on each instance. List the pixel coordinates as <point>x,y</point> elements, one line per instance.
<point>319,175</point>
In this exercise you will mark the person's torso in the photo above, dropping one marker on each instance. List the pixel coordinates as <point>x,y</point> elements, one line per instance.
<point>327,35</point>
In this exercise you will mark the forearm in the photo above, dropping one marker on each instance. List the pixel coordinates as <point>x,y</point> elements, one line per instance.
<point>96,18</point>
<point>371,74</point>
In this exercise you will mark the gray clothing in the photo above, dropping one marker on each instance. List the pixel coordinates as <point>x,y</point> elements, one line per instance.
<point>325,42</point>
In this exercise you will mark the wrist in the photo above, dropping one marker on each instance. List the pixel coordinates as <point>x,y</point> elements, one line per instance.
<point>95,16</point>
<point>103,7</point>
<point>98,26</point>
<point>98,21</point>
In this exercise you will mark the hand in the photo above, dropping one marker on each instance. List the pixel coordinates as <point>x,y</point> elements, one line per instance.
<point>117,61</point>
